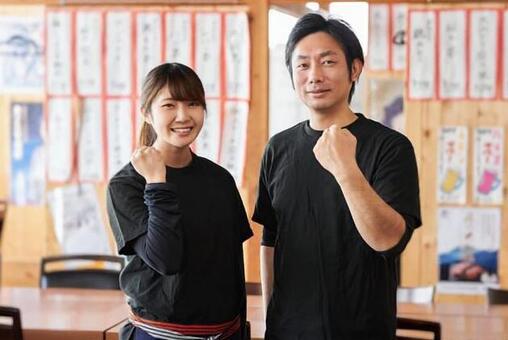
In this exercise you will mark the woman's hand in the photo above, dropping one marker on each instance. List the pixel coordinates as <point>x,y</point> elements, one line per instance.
<point>148,163</point>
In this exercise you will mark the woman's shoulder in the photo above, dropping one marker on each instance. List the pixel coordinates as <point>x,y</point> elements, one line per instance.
<point>127,175</point>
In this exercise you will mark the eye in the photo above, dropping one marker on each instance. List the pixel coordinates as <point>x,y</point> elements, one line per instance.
<point>328,62</point>
<point>194,104</point>
<point>302,66</point>
<point>168,105</point>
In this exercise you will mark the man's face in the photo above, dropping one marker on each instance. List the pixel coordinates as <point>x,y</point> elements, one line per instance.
<point>320,73</point>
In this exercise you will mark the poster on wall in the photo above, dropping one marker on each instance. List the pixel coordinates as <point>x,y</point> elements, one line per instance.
<point>59,143</point>
<point>379,37</point>
<point>208,52</point>
<point>28,181</point>
<point>21,54</point>
<point>90,141</point>
<point>237,56</point>
<point>452,54</point>
<point>422,51</point>
<point>386,102</point>
<point>77,220</point>
<point>179,38</point>
<point>468,249</point>
<point>234,142</point>
<point>452,165</point>
<point>89,53</point>
<point>398,37</point>
<point>208,142</point>
<point>58,52</point>
<point>483,54</point>
<point>148,44</point>
<point>488,165</point>
<point>119,134</point>
<point>118,53</point>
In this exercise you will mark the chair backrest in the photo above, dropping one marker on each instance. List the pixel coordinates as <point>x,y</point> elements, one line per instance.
<point>497,296</point>
<point>253,288</point>
<point>418,325</point>
<point>12,331</point>
<point>96,278</point>
<point>422,294</point>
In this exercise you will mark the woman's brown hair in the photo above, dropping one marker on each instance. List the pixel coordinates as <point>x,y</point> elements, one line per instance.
<point>183,84</point>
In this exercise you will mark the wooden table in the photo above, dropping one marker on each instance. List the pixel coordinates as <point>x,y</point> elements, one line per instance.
<point>66,314</point>
<point>458,321</point>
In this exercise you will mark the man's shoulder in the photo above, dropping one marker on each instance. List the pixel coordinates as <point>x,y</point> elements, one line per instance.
<point>386,136</point>
<point>287,136</point>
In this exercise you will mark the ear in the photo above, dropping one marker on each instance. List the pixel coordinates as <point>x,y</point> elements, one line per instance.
<point>356,69</point>
<point>147,117</point>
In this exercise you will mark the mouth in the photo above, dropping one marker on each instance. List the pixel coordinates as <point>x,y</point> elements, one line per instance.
<point>182,130</point>
<point>318,91</point>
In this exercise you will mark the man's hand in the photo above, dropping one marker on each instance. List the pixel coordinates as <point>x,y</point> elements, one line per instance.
<point>335,150</point>
<point>148,163</point>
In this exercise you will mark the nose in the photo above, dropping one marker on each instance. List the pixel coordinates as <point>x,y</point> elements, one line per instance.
<point>181,112</point>
<point>316,73</point>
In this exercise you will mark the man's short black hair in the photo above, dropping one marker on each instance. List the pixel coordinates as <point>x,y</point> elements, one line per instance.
<point>338,29</point>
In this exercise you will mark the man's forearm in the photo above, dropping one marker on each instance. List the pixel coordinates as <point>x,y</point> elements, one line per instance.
<point>380,226</point>
<point>266,259</point>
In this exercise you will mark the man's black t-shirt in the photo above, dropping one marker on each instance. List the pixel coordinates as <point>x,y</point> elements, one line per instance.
<point>328,283</point>
<point>201,211</point>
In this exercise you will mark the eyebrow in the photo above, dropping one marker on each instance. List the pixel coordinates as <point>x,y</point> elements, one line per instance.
<point>321,55</point>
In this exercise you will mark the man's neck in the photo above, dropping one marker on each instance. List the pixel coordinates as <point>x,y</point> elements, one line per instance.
<point>321,121</point>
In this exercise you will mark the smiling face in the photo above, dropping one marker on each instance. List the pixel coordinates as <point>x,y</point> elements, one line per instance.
<point>176,122</point>
<point>320,73</point>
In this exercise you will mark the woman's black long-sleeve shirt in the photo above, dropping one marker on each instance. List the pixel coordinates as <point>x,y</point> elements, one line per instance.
<point>184,241</point>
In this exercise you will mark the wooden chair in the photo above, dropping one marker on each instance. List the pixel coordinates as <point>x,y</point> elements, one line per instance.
<point>497,296</point>
<point>418,325</point>
<point>94,278</point>
<point>421,294</point>
<point>11,331</point>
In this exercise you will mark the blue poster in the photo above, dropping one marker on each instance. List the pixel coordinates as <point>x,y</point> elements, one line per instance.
<point>27,154</point>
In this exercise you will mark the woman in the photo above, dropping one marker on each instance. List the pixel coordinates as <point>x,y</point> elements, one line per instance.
<point>180,220</point>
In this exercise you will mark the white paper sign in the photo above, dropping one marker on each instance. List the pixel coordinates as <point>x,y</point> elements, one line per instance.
<point>379,40</point>
<point>89,52</point>
<point>399,20</point>
<point>21,54</point>
<point>58,54</point>
<point>237,56</point>
<point>452,54</point>
<point>77,220</point>
<point>60,140</point>
<point>488,165</point>
<point>119,53</point>
<point>149,47</point>
<point>505,56</point>
<point>234,143</point>
<point>208,65</point>
<point>452,165</point>
<point>483,54</point>
<point>119,120</point>
<point>422,47</point>
<point>90,147</point>
<point>208,141</point>
<point>178,38</point>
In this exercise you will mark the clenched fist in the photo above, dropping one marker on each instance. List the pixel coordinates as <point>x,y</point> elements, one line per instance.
<point>148,163</point>
<point>335,150</point>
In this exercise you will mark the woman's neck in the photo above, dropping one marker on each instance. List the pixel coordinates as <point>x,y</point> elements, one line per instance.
<point>173,156</point>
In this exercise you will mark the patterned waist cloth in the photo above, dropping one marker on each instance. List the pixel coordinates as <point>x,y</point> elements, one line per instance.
<point>173,331</point>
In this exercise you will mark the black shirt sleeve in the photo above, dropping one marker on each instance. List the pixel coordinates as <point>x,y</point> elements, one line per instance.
<point>263,212</point>
<point>243,221</point>
<point>147,223</point>
<point>396,182</point>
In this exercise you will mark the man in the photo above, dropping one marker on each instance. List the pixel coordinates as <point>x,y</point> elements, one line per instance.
<point>338,199</point>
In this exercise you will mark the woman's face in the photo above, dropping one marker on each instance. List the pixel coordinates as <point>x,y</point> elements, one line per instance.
<point>176,122</point>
